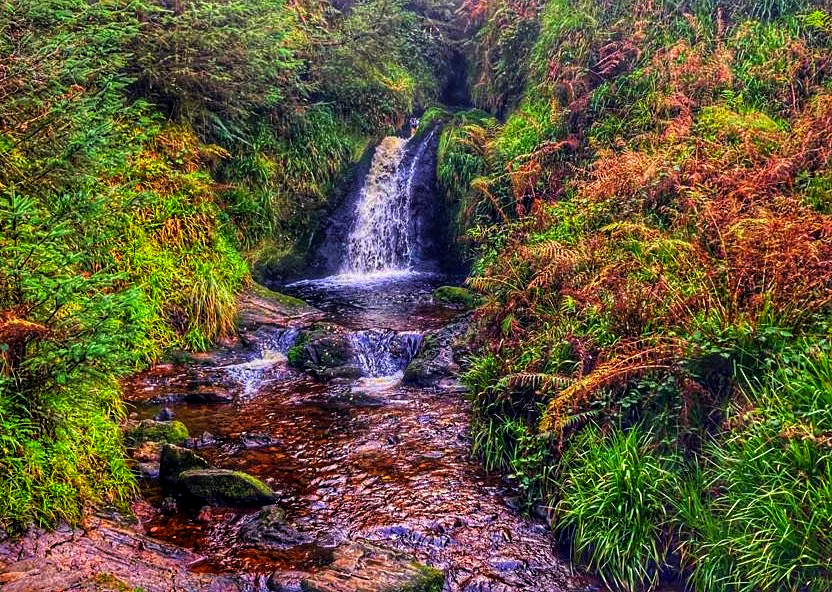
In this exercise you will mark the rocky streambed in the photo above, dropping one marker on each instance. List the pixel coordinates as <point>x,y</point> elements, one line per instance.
<point>326,448</point>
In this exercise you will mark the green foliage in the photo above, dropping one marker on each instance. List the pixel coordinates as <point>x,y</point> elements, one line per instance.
<point>668,172</point>
<point>143,146</point>
<point>615,493</point>
<point>761,518</point>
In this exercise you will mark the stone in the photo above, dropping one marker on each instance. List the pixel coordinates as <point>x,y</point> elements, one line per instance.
<point>149,430</point>
<point>268,530</point>
<point>175,461</point>
<point>438,354</point>
<point>165,414</point>
<point>456,297</point>
<point>327,352</point>
<point>260,306</point>
<point>222,487</point>
<point>360,566</point>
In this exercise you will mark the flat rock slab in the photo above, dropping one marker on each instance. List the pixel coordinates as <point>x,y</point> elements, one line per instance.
<point>359,566</point>
<point>106,556</point>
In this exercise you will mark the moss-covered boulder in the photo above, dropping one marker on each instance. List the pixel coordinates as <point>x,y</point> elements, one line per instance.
<point>221,487</point>
<point>360,566</point>
<point>326,351</point>
<point>176,460</point>
<point>259,306</point>
<point>456,297</point>
<point>149,430</point>
<point>439,354</point>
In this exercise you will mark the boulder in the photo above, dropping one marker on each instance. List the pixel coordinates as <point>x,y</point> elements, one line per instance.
<point>268,530</point>
<point>438,355</point>
<point>149,430</point>
<point>175,461</point>
<point>456,297</point>
<point>325,351</point>
<point>360,566</point>
<point>260,306</point>
<point>221,487</point>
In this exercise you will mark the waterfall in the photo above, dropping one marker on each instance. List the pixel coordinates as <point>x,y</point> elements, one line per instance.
<point>382,235</point>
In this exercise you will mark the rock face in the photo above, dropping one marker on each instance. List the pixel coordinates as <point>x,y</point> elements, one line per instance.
<point>106,555</point>
<point>439,354</point>
<point>149,430</point>
<point>175,461</point>
<point>365,567</point>
<point>221,487</point>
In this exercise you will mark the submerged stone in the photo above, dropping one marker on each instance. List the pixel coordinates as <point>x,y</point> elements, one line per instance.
<point>224,487</point>
<point>268,530</point>
<point>175,461</point>
<point>360,566</point>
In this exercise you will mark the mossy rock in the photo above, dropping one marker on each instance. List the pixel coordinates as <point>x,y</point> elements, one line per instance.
<point>175,461</point>
<point>149,430</point>
<point>222,487</point>
<point>360,566</point>
<point>258,306</point>
<point>289,302</point>
<point>456,297</point>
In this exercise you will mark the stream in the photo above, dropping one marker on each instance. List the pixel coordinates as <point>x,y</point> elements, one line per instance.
<point>351,458</point>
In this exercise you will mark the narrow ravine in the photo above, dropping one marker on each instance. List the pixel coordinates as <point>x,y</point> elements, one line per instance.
<point>358,456</point>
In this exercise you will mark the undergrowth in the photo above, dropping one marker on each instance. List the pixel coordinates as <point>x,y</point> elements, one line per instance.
<point>653,233</point>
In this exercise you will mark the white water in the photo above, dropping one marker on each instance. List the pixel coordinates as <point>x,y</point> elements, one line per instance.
<point>381,242</point>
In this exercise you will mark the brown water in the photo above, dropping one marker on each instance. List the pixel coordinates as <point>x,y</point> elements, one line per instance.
<point>363,459</point>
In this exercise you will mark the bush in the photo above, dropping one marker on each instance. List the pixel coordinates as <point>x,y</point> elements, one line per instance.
<point>614,507</point>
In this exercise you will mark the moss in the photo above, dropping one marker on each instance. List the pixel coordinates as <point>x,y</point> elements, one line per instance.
<point>148,430</point>
<point>222,487</point>
<point>289,302</point>
<point>430,580</point>
<point>456,296</point>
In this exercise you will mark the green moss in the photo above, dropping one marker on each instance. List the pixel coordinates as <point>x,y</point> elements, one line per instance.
<point>220,486</point>
<point>430,580</point>
<point>148,430</point>
<point>456,296</point>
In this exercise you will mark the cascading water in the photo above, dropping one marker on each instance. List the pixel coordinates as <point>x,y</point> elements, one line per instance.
<point>382,235</point>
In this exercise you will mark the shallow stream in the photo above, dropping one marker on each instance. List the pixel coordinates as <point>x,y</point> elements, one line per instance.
<point>365,458</point>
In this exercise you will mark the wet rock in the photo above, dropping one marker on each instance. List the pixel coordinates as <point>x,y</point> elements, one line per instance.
<point>147,452</point>
<point>360,566</point>
<point>329,352</point>
<point>166,414</point>
<point>149,430</point>
<point>175,461</point>
<point>437,356</point>
<point>169,506</point>
<point>223,487</point>
<point>455,297</point>
<point>268,530</point>
<point>340,372</point>
<point>105,555</point>
<point>148,470</point>
<point>260,306</point>
<point>204,440</point>
<point>206,396</point>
